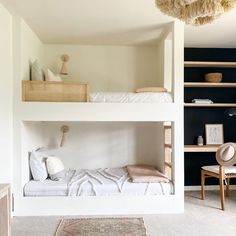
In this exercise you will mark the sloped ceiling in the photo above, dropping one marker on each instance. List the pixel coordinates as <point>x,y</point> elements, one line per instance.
<point>115,22</point>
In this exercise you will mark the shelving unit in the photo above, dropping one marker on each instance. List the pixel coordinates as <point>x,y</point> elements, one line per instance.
<point>223,95</point>
<point>210,64</point>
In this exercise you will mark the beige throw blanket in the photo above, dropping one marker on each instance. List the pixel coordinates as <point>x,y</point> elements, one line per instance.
<point>145,174</point>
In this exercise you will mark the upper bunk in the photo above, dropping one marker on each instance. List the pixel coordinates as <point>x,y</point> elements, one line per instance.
<point>109,76</point>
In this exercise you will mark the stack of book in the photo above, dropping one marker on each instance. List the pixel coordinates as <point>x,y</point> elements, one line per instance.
<point>202,101</point>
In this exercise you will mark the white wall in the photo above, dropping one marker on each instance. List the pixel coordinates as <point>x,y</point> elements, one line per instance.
<point>6,95</point>
<point>26,47</point>
<point>98,144</point>
<point>164,65</point>
<point>168,58</point>
<point>107,68</point>
<point>160,65</point>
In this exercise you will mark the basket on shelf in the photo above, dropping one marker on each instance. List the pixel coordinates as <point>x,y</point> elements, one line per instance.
<point>213,77</point>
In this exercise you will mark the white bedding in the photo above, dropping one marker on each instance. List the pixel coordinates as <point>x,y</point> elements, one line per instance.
<point>100,182</point>
<point>119,97</point>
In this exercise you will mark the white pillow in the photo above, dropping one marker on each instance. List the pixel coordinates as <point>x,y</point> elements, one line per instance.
<point>50,76</point>
<point>38,165</point>
<point>36,71</point>
<point>55,167</point>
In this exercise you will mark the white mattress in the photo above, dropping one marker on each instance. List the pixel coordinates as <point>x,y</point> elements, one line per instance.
<point>101,182</point>
<point>118,97</point>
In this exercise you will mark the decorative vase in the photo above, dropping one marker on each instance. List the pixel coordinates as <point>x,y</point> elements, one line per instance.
<point>200,140</point>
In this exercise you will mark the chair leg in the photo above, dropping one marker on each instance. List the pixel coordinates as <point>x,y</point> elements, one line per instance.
<point>203,184</point>
<point>227,187</point>
<point>222,195</point>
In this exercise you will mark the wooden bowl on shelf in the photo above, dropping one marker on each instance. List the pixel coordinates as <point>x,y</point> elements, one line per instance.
<point>213,77</point>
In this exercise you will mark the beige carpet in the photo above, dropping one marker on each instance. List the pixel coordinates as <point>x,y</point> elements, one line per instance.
<point>201,218</point>
<point>102,227</point>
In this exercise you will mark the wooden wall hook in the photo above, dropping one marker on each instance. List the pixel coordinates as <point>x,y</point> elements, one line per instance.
<point>64,129</point>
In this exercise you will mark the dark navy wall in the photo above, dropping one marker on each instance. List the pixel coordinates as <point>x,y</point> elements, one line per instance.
<point>196,118</point>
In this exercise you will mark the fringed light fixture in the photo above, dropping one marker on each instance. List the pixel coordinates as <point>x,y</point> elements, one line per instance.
<point>195,12</point>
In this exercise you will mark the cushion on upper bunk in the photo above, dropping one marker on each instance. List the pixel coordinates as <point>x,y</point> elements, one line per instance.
<point>145,174</point>
<point>50,76</point>
<point>150,89</point>
<point>56,169</point>
<point>38,165</point>
<point>36,72</point>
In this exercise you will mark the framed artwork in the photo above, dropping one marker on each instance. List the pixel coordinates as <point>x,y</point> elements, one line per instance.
<point>214,134</point>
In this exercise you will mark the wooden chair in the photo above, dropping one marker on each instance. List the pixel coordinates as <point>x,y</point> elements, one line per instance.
<point>226,158</point>
<point>223,173</point>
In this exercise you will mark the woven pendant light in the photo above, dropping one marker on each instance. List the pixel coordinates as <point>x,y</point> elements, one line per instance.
<point>195,12</point>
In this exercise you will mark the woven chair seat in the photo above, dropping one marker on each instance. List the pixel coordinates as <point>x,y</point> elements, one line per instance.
<point>229,170</point>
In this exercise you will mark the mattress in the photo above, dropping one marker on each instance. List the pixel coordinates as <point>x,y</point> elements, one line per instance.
<point>100,182</point>
<point>118,97</point>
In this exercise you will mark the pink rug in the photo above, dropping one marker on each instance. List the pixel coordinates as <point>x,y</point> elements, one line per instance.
<point>102,227</point>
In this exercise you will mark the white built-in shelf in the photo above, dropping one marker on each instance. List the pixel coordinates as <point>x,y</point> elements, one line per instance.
<point>209,64</point>
<point>209,85</point>
<point>210,105</point>
<point>204,148</point>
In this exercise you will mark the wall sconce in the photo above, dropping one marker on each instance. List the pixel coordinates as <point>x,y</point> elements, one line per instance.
<point>64,129</point>
<point>65,58</point>
<point>231,112</point>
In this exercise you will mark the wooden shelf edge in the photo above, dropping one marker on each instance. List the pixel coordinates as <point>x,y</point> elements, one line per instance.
<point>209,64</point>
<point>210,85</point>
<point>210,105</point>
<point>204,148</point>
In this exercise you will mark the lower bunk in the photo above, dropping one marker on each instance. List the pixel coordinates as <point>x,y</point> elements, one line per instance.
<point>105,191</point>
<point>100,182</point>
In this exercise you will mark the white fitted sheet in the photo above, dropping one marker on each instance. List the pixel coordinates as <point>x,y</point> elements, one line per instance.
<point>121,97</point>
<point>100,182</point>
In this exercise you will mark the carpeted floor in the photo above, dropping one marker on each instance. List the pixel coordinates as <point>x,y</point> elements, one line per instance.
<point>201,218</point>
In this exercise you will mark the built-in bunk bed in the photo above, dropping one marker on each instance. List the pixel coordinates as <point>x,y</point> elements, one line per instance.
<point>108,190</point>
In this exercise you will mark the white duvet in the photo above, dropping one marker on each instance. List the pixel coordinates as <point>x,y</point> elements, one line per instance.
<point>119,97</point>
<point>100,182</point>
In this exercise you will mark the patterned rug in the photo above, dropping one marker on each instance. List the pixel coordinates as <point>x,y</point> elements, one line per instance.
<point>102,227</point>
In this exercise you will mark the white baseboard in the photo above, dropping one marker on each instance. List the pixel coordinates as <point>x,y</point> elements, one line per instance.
<point>207,187</point>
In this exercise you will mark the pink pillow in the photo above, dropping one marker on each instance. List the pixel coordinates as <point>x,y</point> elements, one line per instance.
<point>150,89</point>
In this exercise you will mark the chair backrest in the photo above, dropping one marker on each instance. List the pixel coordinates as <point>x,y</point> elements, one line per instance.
<point>226,154</point>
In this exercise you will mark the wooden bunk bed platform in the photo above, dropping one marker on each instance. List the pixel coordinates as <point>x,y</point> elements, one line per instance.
<point>54,91</point>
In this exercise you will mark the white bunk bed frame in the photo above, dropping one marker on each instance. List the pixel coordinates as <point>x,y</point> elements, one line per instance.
<point>27,111</point>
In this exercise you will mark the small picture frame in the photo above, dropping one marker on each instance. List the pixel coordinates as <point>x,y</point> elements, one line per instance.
<point>214,134</point>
